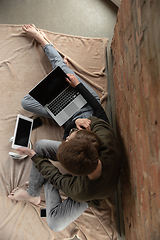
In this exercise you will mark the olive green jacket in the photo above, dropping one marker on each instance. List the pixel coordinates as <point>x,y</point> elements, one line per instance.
<point>81,188</point>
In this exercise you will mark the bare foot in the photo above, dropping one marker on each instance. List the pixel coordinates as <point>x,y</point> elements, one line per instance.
<point>32,32</point>
<point>66,61</point>
<point>36,34</point>
<point>19,194</point>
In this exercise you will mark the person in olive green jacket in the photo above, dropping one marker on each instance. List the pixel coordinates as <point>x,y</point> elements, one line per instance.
<point>92,159</point>
<point>89,152</point>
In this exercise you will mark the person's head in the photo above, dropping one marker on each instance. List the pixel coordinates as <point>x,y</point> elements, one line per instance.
<point>79,155</point>
<point>86,135</point>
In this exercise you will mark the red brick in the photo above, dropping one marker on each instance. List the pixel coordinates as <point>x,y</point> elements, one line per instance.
<point>145,152</point>
<point>157,144</point>
<point>137,88</point>
<point>156,169</point>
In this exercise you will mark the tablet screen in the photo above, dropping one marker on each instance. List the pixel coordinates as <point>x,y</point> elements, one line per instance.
<point>22,132</point>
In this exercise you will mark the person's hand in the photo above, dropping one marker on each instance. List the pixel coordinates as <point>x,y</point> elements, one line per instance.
<point>83,122</point>
<point>72,80</point>
<point>26,151</point>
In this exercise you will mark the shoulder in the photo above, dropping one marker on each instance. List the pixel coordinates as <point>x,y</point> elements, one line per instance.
<point>109,148</point>
<point>98,124</point>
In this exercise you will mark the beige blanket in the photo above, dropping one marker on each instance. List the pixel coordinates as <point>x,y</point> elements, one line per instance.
<point>22,65</point>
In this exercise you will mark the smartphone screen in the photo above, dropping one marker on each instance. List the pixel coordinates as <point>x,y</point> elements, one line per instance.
<point>43,212</point>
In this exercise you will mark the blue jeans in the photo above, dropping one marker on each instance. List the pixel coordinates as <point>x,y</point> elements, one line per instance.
<point>30,104</point>
<point>59,214</point>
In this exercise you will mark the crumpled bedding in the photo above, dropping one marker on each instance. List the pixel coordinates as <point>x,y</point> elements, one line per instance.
<point>22,65</point>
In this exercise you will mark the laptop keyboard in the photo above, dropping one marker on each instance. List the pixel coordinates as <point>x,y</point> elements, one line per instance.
<point>63,99</point>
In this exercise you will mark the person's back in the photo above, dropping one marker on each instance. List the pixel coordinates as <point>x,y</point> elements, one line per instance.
<point>86,189</point>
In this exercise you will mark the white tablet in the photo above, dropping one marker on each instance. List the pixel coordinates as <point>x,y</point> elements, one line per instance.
<point>22,132</point>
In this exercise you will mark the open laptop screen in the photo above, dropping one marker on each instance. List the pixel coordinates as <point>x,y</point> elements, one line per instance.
<point>50,86</point>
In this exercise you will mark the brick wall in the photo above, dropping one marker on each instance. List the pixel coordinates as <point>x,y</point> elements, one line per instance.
<point>136,72</point>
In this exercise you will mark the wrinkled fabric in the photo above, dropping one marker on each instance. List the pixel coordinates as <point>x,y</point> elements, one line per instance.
<point>22,65</point>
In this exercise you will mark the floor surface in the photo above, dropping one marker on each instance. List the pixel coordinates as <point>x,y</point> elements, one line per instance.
<point>88,18</point>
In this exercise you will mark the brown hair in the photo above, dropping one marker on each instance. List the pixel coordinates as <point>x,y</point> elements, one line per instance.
<point>78,156</point>
<point>89,136</point>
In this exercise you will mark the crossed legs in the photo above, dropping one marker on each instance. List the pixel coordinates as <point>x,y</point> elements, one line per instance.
<point>59,214</point>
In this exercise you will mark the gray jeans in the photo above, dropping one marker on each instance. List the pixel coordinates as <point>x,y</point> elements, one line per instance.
<point>59,214</point>
<point>30,104</point>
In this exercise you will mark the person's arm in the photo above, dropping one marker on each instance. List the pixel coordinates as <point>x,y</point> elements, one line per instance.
<point>80,123</point>
<point>67,183</point>
<point>92,101</point>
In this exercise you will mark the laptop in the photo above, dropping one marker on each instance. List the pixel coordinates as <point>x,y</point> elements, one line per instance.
<point>59,99</point>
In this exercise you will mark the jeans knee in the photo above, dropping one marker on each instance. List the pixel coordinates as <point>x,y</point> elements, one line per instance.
<point>24,104</point>
<point>40,146</point>
<point>55,225</point>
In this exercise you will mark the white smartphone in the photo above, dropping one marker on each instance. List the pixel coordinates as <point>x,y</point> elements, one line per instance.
<point>22,132</point>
